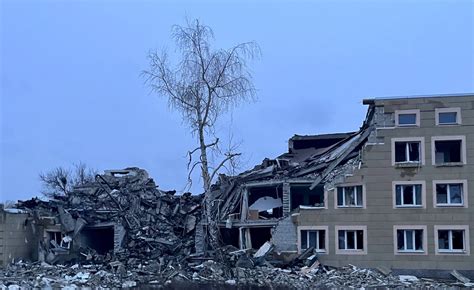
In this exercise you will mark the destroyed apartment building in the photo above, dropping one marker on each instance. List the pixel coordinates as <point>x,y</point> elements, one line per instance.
<point>393,194</point>
<point>122,213</point>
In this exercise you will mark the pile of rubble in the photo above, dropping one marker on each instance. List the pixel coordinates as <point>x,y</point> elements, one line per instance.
<point>209,272</point>
<point>145,222</point>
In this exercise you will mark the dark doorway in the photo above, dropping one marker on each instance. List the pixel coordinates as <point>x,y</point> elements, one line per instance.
<point>230,236</point>
<point>100,239</point>
<point>259,236</point>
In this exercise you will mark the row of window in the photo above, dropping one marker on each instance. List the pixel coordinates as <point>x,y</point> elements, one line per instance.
<point>412,240</point>
<point>443,117</point>
<point>447,193</point>
<point>446,150</point>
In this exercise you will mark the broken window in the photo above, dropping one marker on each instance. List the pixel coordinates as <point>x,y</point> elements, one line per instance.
<point>349,196</point>
<point>313,238</point>
<point>407,151</point>
<point>351,239</point>
<point>447,151</point>
<point>407,195</point>
<point>301,195</point>
<point>58,239</point>
<point>55,237</point>
<point>265,202</point>
<point>449,194</point>
<point>451,240</point>
<point>410,240</point>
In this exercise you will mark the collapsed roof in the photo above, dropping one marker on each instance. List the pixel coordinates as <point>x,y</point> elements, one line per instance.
<point>312,158</point>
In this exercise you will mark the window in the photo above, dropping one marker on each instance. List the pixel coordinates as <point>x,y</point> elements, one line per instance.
<point>408,195</point>
<point>452,239</point>
<point>448,116</point>
<point>410,240</point>
<point>407,118</point>
<point>351,240</point>
<point>408,152</point>
<point>301,196</point>
<point>313,236</point>
<point>450,192</point>
<point>448,150</point>
<point>350,196</point>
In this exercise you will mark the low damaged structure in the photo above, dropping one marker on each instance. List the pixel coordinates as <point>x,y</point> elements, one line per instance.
<point>394,194</point>
<point>121,215</point>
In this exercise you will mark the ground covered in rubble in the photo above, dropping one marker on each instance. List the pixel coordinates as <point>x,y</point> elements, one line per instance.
<point>210,274</point>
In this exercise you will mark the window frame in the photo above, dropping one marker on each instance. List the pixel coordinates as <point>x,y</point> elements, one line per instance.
<point>411,182</point>
<point>407,112</point>
<point>351,251</point>
<point>336,206</point>
<point>410,227</point>
<point>461,138</point>
<point>456,110</point>
<point>466,242</point>
<point>465,193</point>
<point>409,139</point>
<point>314,228</point>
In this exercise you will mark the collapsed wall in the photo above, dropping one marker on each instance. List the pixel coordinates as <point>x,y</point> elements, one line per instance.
<point>121,215</point>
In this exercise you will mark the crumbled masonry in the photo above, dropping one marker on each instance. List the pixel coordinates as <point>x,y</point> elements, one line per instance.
<point>173,276</point>
<point>126,208</point>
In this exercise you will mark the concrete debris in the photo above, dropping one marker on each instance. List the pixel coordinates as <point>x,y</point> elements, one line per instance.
<point>460,277</point>
<point>122,215</point>
<point>407,278</point>
<point>151,272</point>
<point>264,249</point>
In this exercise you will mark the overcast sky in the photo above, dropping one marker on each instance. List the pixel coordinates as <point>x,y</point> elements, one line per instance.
<point>71,88</point>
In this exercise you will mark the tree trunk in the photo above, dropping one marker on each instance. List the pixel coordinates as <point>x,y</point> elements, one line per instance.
<point>211,231</point>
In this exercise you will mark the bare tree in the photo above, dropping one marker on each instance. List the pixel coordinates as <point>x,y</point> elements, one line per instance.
<point>205,84</point>
<point>60,181</point>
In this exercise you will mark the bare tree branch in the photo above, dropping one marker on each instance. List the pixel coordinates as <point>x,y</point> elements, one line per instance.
<point>229,157</point>
<point>203,86</point>
<point>61,181</point>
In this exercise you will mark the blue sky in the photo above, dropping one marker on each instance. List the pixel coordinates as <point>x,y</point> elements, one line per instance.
<point>71,88</point>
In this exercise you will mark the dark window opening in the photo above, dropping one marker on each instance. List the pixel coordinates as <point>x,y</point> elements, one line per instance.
<point>451,240</point>
<point>448,151</point>
<point>410,240</point>
<point>408,195</point>
<point>302,195</point>
<point>349,196</point>
<point>351,240</point>
<point>449,194</point>
<point>266,202</point>
<point>100,239</point>
<point>230,236</point>
<point>260,236</point>
<point>56,237</point>
<point>313,238</point>
<point>407,151</point>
